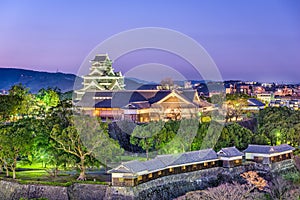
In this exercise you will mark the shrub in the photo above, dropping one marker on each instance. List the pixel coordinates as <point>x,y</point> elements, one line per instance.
<point>292,176</point>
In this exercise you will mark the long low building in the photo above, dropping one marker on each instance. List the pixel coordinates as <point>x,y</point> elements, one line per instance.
<point>143,105</point>
<point>135,172</point>
<point>266,154</point>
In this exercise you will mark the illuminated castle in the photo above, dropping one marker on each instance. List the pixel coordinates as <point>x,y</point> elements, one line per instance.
<point>101,77</point>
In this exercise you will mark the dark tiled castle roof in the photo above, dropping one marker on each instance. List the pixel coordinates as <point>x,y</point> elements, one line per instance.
<point>196,156</point>
<point>266,149</point>
<point>99,58</point>
<point>164,161</point>
<point>230,152</point>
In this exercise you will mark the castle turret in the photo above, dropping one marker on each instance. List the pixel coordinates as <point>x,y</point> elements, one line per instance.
<point>101,77</point>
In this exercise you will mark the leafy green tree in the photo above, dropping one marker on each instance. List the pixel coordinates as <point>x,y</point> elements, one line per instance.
<point>201,133</point>
<point>261,139</point>
<point>109,150</point>
<point>6,107</point>
<point>17,103</point>
<point>235,108</point>
<point>22,100</point>
<point>48,98</point>
<point>186,134</point>
<point>163,138</point>
<point>3,162</point>
<point>44,151</point>
<point>82,138</point>
<point>15,141</point>
<point>234,135</point>
<point>180,139</point>
<point>212,135</point>
<point>279,125</point>
<point>145,135</point>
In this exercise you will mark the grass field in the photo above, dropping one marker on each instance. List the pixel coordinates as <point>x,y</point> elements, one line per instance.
<point>35,174</point>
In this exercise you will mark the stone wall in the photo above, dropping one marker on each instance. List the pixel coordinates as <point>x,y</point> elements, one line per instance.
<point>172,186</point>
<point>283,165</point>
<point>15,191</point>
<point>167,187</point>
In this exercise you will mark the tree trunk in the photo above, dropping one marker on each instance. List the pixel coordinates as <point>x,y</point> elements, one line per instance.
<point>55,171</point>
<point>82,176</point>
<point>14,172</point>
<point>7,172</point>
<point>147,154</point>
<point>14,168</point>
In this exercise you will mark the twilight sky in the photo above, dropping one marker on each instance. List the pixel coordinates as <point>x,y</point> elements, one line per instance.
<point>249,40</point>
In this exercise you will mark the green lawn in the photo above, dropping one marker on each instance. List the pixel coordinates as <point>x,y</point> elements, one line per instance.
<point>32,174</point>
<point>26,165</point>
<point>129,158</point>
<point>35,174</point>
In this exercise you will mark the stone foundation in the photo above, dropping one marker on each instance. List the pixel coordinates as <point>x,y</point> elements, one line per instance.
<point>167,187</point>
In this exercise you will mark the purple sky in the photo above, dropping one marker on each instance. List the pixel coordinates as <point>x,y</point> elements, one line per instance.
<point>250,40</point>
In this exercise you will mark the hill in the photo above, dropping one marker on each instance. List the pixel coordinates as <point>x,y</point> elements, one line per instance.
<point>36,80</point>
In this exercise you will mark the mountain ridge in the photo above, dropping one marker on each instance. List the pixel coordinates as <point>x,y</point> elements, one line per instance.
<point>36,80</point>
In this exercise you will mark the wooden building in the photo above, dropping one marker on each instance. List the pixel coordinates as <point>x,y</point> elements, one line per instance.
<point>103,95</point>
<point>136,172</point>
<point>230,157</point>
<point>266,154</point>
<point>143,105</point>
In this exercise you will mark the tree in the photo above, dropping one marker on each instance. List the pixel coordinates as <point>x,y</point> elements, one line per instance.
<point>282,189</point>
<point>109,150</point>
<point>163,138</point>
<point>226,191</point>
<point>3,162</point>
<point>184,137</point>
<point>48,98</point>
<point>235,108</point>
<point>17,103</point>
<point>43,150</point>
<point>81,138</point>
<point>144,135</point>
<point>254,179</point>
<point>167,83</point>
<point>15,141</point>
<point>279,125</point>
<point>6,107</point>
<point>22,103</point>
<point>207,136</point>
<point>201,133</point>
<point>261,139</point>
<point>239,136</point>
